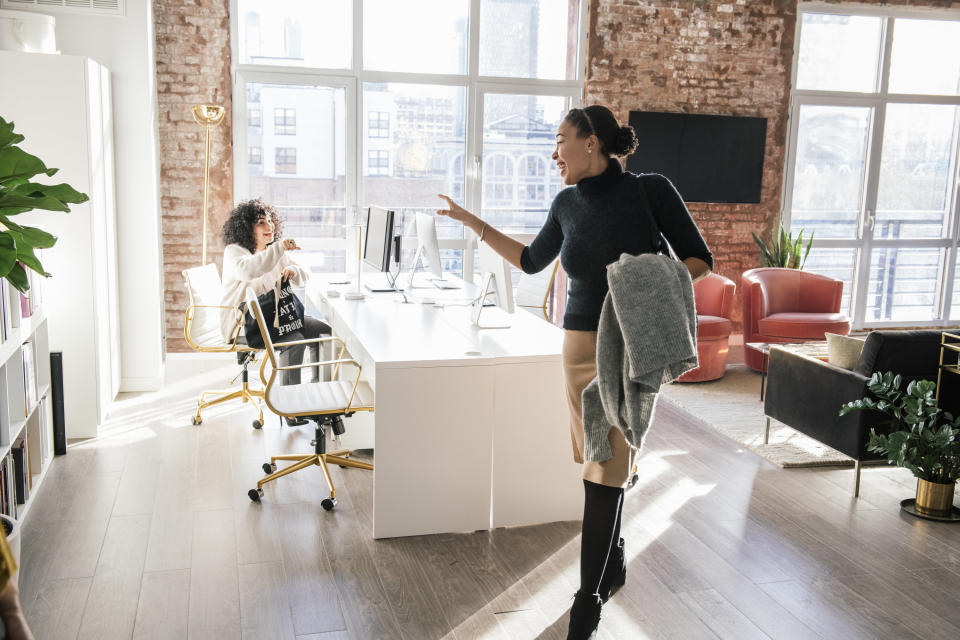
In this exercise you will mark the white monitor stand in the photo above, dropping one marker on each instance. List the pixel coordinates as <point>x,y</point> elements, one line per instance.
<point>357,293</point>
<point>495,278</point>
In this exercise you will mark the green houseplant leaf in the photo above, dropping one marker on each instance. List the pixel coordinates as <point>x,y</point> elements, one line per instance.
<point>19,194</point>
<point>920,436</point>
<point>782,250</point>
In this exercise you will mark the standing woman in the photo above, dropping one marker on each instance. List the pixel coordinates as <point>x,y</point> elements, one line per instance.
<point>598,217</point>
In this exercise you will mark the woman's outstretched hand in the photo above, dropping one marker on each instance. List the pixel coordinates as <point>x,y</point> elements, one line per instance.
<point>455,211</point>
<point>290,244</point>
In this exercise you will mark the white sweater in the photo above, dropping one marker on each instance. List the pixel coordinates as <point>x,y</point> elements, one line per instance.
<point>242,269</point>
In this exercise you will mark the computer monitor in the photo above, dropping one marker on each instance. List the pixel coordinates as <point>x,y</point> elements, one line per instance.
<point>379,238</point>
<point>428,249</point>
<point>378,245</point>
<point>494,280</point>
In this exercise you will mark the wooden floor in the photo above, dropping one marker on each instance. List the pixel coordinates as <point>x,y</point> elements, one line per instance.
<point>148,533</point>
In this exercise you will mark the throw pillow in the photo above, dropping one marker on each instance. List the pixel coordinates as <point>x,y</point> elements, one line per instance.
<point>843,351</point>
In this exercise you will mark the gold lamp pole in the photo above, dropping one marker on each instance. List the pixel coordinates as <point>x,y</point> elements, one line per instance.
<point>207,116</point>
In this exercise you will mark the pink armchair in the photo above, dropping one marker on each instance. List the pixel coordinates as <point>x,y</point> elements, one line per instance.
<point>788,305</point>
<point>714,300</point>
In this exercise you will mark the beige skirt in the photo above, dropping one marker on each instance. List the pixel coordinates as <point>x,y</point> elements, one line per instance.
<point>579,368</point>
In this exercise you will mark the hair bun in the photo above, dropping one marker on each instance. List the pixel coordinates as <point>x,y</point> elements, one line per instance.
<point>625,142</point>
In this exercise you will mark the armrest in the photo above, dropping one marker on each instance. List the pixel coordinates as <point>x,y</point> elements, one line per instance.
<point>806,394</point>
<point>324,363</point>
<point>311,341</point>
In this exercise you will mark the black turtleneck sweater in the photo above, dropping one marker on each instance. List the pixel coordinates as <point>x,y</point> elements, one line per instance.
<point>592,223</point>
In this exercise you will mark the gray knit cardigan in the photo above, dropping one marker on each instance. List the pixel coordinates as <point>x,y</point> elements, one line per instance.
<point>647,336</point>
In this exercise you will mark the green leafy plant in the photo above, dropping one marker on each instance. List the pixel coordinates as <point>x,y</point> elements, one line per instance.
<point>783,250</point>
<point>18,194</point>
<point>922,438</point>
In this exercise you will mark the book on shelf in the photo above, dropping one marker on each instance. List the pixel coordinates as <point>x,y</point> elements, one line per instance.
<point>11,303</point>
<point>4,323</point>
<point>21,473</point>
<point>44,430</point>
<point>29,376</point>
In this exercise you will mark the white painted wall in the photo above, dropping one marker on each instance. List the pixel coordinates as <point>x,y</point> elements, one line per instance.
<point>125,45</point>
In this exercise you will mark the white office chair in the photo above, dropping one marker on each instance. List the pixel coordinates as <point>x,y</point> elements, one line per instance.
<point>326,403</point>
<point>201,329</point>
<point>533,290</point>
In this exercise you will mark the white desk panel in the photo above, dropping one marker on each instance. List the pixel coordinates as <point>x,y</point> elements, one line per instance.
<point>470,429</point>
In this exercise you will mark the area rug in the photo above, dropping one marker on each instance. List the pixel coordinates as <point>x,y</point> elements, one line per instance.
<point>732,406</point>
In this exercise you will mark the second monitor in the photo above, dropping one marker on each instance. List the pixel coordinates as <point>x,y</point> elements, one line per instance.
<point>428,249</point>
<point>379,243</point>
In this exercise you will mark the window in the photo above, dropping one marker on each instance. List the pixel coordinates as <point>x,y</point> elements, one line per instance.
<point>391,127</point>
<point>285,122</point>
<point>286,160</point>
<point>253,117</point>
<point>378,124</point>
<point>271,33</point>
<point>255,156</point>
<point>378,163</point>
<point>872,170</point>
<point>519,136</point>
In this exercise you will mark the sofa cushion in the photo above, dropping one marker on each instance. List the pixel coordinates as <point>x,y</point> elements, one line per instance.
<point>844,351</point>
<point>713,327</point>
<point>913,354</point>
<point>805,326</point>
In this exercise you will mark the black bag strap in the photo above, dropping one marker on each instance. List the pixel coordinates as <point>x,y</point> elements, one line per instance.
<point>659,241</point>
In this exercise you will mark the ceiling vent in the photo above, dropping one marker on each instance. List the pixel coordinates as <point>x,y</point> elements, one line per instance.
<point>101,7</point>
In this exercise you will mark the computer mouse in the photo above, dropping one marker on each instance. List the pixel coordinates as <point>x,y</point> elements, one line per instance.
<point>333,293</point>
<point>429,301</point>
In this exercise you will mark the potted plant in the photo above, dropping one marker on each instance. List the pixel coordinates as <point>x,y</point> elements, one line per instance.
<point>19,194</point>
<point>784,251</point>
<point>921,437</point>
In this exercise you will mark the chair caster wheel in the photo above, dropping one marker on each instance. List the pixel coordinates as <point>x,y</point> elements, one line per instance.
<point>328,503</point>
<point>257,424</point>
<point>269,467</point>
<point>255,494</point>
<point>634,479</point>
<point>196,420</point>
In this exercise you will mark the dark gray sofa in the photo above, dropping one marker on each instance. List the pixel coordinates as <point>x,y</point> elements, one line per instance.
<point>806,394</point>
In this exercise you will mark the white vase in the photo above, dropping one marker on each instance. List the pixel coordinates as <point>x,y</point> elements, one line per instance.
<point>27,31</point>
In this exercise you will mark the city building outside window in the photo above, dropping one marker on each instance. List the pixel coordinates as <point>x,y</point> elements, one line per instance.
<point>378,124</point>
<point>253,117</point>
<point>378,163</point>
<point>285,122</point>
<point>285,160</point>
<point>256,155</point>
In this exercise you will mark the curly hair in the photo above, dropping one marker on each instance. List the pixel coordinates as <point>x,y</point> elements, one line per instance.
<point>238,229</point>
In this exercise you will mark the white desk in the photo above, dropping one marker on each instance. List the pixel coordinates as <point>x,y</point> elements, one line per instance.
<point>471,427</point>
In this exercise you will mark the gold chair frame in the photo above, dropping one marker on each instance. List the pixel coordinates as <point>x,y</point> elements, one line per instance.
<point>546,298</point>
<point>245,393</point>
<point>320,457</point>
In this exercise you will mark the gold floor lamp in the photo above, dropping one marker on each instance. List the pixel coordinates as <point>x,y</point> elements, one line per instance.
<point>208,116</point>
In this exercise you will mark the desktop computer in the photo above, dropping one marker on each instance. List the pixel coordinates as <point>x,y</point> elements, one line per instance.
<point>495,281</point>
<point>428,249</point>
<point>378,248</point>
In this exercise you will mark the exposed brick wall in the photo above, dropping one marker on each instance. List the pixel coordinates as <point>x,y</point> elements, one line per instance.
<point>728,58</point>
<point>193,67</point>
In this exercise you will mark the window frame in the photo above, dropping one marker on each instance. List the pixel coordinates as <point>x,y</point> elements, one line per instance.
<point>863,243</point>
<point>354,77</point>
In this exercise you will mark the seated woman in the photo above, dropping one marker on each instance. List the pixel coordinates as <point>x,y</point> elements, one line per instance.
<point>256,257</point>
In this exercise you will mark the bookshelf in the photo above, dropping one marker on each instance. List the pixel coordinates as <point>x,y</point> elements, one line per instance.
<point>26,432</point>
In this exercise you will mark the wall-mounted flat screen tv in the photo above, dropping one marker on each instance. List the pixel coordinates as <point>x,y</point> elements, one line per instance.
<point>708,158</point>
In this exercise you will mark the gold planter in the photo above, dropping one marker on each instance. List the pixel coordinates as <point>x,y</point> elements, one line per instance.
<point>933,498</point>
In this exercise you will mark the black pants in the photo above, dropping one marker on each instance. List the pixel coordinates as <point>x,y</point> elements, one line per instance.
<point>312,328</point>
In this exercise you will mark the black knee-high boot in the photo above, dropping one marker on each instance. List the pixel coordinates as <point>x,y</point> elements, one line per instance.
<point>615,573</point>
<point>601,506</point>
